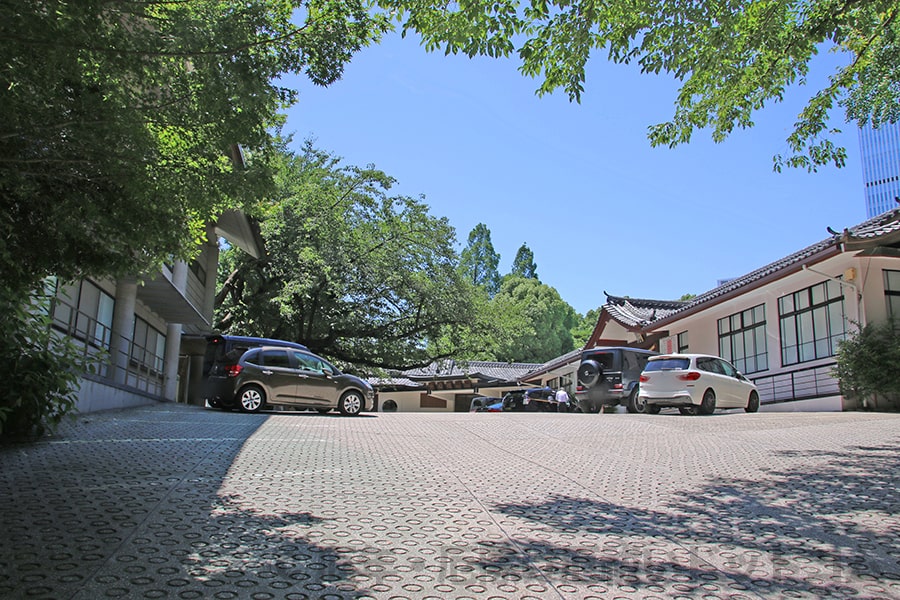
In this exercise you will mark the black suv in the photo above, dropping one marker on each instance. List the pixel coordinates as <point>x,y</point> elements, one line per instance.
<point>610,376</point>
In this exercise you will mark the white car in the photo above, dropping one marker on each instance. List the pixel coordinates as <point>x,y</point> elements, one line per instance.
<point>695,384</point>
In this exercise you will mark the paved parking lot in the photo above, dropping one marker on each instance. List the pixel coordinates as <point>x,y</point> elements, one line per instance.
<point>175,501</point>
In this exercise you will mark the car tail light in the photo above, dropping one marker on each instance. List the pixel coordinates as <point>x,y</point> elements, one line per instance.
<point>579,388</point>
<point>690,376</point>
<point>233,370</point>
<point>644,379</point>
<point>617,386</point>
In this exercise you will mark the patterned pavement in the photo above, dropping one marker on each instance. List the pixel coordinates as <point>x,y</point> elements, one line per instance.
<point>175,501</point>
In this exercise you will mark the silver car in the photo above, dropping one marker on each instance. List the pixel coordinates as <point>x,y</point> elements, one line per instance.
<point>294,378</point>
<point>696,384</point>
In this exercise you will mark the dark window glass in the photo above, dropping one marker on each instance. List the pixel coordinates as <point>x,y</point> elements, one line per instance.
<point>668,364</point>
<point>276,358</point>
<point>811,324</point>
<point>743,340</point>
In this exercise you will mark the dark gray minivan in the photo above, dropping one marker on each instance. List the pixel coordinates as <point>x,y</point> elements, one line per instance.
<point>292,378</point>
<point>221,355</point>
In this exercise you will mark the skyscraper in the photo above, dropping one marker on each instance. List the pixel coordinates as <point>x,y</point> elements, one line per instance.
<point>880,154</point>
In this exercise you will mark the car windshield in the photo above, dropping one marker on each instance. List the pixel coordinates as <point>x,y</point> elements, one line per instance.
<point>668,364</point>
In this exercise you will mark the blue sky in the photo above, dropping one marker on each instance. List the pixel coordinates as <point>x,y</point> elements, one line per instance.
<point>579,183</point>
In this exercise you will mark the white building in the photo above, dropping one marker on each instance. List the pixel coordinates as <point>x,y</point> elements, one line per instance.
<point>133,325</point>
<point>780,324</point>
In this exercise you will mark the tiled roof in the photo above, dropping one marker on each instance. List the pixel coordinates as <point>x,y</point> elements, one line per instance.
<point>393,382</point>
<point>884,227</point>
<point>559,361</point>
<point>876,228</point>
<point>445,370</point>
<point>637,312</point>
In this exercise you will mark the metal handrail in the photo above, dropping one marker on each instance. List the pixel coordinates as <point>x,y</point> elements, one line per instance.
<point>799,384</point>
<point>143,370</point>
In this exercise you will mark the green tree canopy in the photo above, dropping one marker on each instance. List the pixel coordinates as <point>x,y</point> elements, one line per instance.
<point>584,326</point>
<point>352,273</point>
<point>478,262</point>
<point>730,57</point>
<point>523,264</point>
<point>544,320</point>
<point>121,121</point>
<point>526,321</point>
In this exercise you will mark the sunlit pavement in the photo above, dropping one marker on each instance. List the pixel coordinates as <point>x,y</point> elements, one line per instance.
<point>175,501</point>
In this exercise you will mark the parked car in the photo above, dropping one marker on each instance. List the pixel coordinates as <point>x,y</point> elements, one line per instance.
<point>530,400</point>
<point>225,350</point>
<point>610,376</point>
<point>288,377</point>
<point>696,384</point>
<point>480,403</point>
<point>495,406</point>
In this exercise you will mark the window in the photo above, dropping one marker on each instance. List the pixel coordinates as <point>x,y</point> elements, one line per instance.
<point>148,349</point>
<point>812,322</point>
<point>276,358</point>
<point>682,342</point>
<point>742,340</point>
<point>198,270</point>
<point>892,293</point>
<point>726,368</point>
<point>85,312</point>
<point>710,365</point>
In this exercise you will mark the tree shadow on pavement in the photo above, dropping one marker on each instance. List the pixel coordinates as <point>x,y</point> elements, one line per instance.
<point>128,504</point>
<point>827,531</point>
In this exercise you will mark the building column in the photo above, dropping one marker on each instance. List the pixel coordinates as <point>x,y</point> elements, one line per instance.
<point>212,273</point>
<point>170,366</point>
<point>123,328</point>
<point>173,337</point>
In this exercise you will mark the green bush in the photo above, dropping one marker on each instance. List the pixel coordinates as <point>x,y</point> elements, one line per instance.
<point>40,369</point>
<point>868,364</point>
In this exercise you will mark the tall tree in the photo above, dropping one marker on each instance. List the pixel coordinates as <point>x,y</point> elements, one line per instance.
<point>584,326</point>
<point>731,57</point>
<point>352,273</point>
<point>546,321</point>
<point>121,120</point>
<point>523,264</point>
<point>493,328</point>
<point>479,261</point>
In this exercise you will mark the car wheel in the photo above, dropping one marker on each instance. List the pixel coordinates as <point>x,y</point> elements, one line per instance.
<point>689,411</point>
<point>708,404</point>
<point>590,373</point>
<point>251,398</point>
<point>323,411</point>
<point>636,404</point>
<point>351,403</point>
<point>753,403</point>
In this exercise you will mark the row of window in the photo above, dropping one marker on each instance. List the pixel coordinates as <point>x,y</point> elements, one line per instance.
<point>85,312</point>
<point>811,322</point>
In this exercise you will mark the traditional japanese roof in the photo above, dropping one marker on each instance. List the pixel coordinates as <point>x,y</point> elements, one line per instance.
<point>443,371</point>
<point>637,312</point>
<point>882,230</point>
<point>559,361</point>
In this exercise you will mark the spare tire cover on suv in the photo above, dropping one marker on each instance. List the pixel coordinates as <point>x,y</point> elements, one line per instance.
<point>590,373</point>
